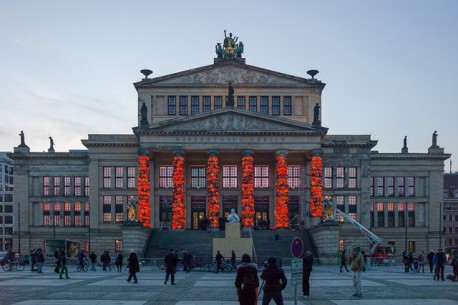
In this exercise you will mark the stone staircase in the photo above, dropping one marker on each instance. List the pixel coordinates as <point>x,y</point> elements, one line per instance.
<point>200,243</point>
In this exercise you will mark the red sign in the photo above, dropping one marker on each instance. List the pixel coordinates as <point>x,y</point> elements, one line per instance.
<point>297,247</point>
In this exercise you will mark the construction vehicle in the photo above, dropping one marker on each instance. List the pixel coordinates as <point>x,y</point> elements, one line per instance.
<point>380,254</point>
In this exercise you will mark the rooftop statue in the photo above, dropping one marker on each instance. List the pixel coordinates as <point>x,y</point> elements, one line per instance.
<point>144,115</point>
<point>233,217</point>
<point>435,138</point>
<point>51,144</point>
<point>230,47</point>
<point>316,115</point>
<point>22,139</point>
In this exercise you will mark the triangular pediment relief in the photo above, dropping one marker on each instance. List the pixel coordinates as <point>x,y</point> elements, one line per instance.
<point>233,120</point>
<point>222,74</point>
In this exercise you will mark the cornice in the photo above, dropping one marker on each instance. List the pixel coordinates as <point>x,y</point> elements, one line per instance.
<point>401,156</point>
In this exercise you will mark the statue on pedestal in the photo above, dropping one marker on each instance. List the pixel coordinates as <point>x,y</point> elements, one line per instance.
<point>316,115</point>
<point>230,48</point>
<point>22,139</point>
<point>233,217</point>
<point>434,138</point>
<point>51,144</point>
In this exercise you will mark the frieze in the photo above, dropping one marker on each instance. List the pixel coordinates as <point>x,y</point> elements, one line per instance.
<point>228,139</point>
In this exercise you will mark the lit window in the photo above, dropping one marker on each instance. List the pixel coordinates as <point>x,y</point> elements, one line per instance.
<point>119,173</point>
<point>165,176</point>
<point>131,177</point>
<point>340,177</point>
<point>46,186</point>
<point>67,181</point>
<point>56,214</point>
<point>86,186</point>
<point>261,176</point>
<point>119,208</point>
<point>229,176</point>
<point>107,177</point>
<point>352,178</point>
<point>106,208</point>
<point>46,214</point>
<point>294,180</point>
<point>327,173</point>
<point>77,186</point>
<point>86,213</point>
<point>67,217</point>
<point>198,177</point>
<point>56,186</point>
<point>77,214</point>
<point>118,245</point>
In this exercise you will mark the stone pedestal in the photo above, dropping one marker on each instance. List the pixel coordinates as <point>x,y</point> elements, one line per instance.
<point>232,241</point>
<point>326,236</point>
<point>134,236</point>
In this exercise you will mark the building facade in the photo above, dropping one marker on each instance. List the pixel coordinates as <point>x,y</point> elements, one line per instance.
<point>6,202</point>
<point>450,216</point>
<point>220,137</point>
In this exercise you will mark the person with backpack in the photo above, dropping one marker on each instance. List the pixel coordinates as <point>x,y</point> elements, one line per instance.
<point>247,281</point>
<point>275,282</point>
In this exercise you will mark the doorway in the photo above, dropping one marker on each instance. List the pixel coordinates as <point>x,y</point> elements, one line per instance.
<point>198,213</point>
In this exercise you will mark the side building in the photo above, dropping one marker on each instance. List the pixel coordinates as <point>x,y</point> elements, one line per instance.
<point>6,202</point>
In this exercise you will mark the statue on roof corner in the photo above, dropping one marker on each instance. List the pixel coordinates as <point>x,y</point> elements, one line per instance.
<point>230,47</point>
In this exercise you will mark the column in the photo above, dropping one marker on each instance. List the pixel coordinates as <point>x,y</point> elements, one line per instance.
<point>213,203</point>
<point>247,189</point>
<point>144,188</point>
<point>281,191</point>
<point>178,204</point>
<point>316,184</point>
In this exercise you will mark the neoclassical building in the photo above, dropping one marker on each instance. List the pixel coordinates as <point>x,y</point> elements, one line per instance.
<point>227,136</point>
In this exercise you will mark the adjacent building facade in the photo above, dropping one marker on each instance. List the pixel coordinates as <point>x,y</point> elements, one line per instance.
<point>450,216</point>
<point>6,202</point>
<point>220,137</point>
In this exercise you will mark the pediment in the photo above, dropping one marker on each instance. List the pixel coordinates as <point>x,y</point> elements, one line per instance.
<point>230,120</point>
<point>223,73</point>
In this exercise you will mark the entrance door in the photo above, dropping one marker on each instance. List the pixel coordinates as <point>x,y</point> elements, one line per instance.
<point>198,213</point>
<point>261,212</point>
<point>293,211</point>
<point>165,212</point>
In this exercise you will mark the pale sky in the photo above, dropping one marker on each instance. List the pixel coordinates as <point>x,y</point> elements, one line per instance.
<point>390,67</point>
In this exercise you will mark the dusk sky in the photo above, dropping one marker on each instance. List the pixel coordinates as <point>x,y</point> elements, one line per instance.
<point>390,67</point>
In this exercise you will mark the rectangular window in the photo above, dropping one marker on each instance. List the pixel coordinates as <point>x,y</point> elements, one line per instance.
<point>194,104</point>
<point>390,214</point>
<point>401,186</point>
<point>77,186</point>
<point>340,177</point>
<point>86,186</point>
<point>261,176</point>
<point>294,180</point>
<point>119,208</point>
<point>118,245</point>
<point>183,105</point>
<point>352,178</point>
<point>352,207</point>
<point>390,186</point>
<point>411,210</point>
<point>172,105</point>
<point>131,177</point>
<point>240,102</point>
<point>327,174</point>
<point>77,214</point>
<point>287,108</point>
<point>206,104</point>
<point>56,186</point>
<point>165,208</point>
<point>86,213</point>
<point>218,102</point>
<point>253,103</point>
<point>371,182</point>
<point>165,176</point>
<point>275,105</point>
<point>264,104</point>
<point>67,216</point>
<point>67,182</point>
<point>411,186</point>
<point>46,185</point>
<point>380,214</point>
<point>198,177</point>
<point>106,208</point>
<point>380,186</point>
<point>107,177</point>
<point>56,214</point>
<point>46,214</point>
<point>229,176</point>
<point>401,215</point>
<point>340,204</point>
<point>119,173</point>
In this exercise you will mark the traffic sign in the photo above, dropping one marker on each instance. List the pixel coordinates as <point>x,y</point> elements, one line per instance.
<point>296,271</point>
<point>297,247</point>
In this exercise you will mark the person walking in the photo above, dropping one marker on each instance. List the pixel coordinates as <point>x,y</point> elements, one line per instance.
<point>233,260</point>
<point>133,265</point>
<point>275,282</point>
<point>93,258</point>
<point>454,263</point>
<point>119,262</point>
<point>439,261</point>
<point>219,260</point>
<point>33,256</point>
<point>56,256</point>
<point>357,265</point>
<point>63,264</point>
<point>106,260</point>
<point>307,263</point>
<point>187,261</point>
<point>247,281</point>
<point>431,260</point>
<point>421,261</point>
<point>40,260</point>
<point>343,261</point>
<point>170,261</point>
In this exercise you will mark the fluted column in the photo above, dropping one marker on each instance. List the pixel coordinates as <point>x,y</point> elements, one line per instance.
<point>213,203</point>
<point>178,205</point>
<point>281,191</point>
<point>144,188</point>
<point>247,189</point>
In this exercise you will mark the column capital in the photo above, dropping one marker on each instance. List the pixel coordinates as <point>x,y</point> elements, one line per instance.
<point>144,152</point>
<point>247,152</point>
<point>281,153</point>
<point>179,152</point>
<point>213,152</point>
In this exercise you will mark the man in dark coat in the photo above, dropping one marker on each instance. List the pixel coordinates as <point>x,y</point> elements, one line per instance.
<point>56,256</point>
<point>431,260</point>
<point>133,265</point>
<point>219,260</point>
<point>247,281</point>
<point>170,261</point>
<point>307,263</point>
<point>275,282</point>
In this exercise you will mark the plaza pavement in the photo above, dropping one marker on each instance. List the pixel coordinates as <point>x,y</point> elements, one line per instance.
<point>381,285</point>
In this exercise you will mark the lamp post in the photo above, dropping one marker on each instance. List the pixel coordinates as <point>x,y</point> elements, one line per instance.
<point>19,226</point>
<point>440,225</point>
<point>406,224</point>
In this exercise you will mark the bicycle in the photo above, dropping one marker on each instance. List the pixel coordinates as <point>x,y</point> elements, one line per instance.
<point>13,266</point>
<point>82,266</point>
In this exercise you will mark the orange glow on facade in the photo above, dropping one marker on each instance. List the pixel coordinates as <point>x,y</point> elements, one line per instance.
<point>247,191</point>
<point>178,205</point>
<point>281,189</point>
<point>316,187</point>
<point>213,191</point>
<point>144,187</point>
